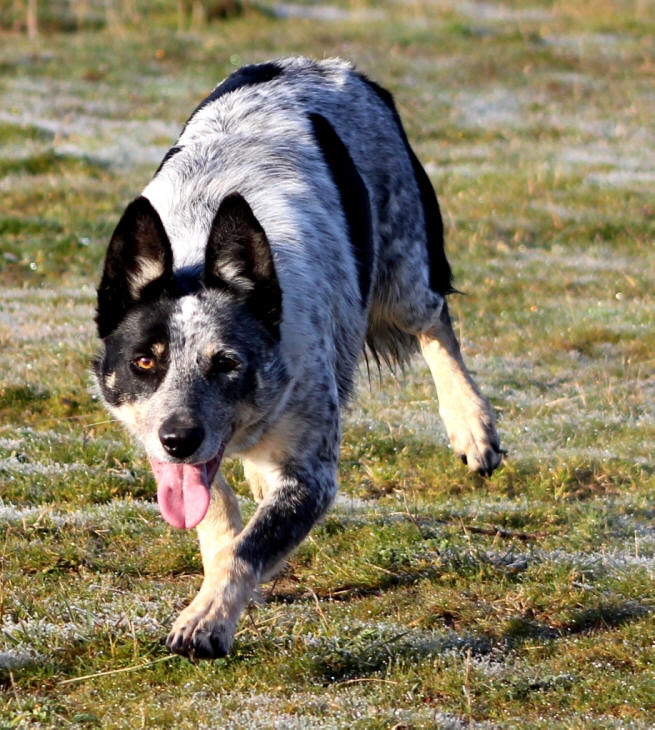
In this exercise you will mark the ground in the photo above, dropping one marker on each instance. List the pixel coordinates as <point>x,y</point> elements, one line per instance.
<point>429,596</point>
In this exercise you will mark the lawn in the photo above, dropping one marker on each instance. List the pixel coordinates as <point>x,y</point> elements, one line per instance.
<point>429,597</point>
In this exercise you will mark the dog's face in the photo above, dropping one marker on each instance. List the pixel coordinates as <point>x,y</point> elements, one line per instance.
<point>189,359</point>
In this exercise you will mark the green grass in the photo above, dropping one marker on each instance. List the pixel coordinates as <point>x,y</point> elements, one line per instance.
<point>429,596</point>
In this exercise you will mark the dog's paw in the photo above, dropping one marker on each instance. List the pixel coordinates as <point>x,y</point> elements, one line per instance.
<point>482,458</point>
<point>473,437</point>
<point>203,630</point>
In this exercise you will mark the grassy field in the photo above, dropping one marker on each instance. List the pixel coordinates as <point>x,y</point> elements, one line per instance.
<point>428,597</point>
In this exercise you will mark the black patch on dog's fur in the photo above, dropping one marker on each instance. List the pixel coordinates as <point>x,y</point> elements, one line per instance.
<point>187,280</point>
<point>441,278</point>
<point>354,198</point>
<point>167,157</point>
<point>142,328</point>
<point>239,260</point>
<point>246,76</point>
<point>284,523</point>
<point>139,237</point>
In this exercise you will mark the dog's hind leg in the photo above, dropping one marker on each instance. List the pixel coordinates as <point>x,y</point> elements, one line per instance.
<point>465,412</point>
<point>423,316</point>
<point>260,483</point>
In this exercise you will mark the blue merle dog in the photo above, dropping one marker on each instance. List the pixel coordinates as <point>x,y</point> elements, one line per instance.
<point>290,226</point>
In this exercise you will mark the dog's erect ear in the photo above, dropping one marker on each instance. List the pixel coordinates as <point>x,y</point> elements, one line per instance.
<point>239,259</point>
<point>139,263</point>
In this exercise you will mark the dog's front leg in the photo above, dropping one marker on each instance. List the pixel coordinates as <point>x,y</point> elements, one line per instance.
<point>205,630</point>
<point>216,532</point>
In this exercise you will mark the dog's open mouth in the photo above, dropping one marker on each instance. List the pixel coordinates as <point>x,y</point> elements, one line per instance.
<point>183,490</point>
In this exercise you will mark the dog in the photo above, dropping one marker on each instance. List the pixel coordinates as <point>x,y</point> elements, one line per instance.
<point>289,229</point>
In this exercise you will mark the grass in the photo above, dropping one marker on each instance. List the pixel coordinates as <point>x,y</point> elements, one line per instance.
<point>429,596</point>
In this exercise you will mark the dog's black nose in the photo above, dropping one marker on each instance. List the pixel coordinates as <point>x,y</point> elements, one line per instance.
<point>180,436</point>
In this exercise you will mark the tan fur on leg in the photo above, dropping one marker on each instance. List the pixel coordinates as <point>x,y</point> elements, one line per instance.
<point>221,524</point>
<point>261,478</point>
<point>206,627</point>
<point>466,413</point>
<point>256,480</point>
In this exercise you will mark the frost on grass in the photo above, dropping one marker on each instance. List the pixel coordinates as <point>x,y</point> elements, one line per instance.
<point>21,437</point>
<point>597,564</point>
<point>361,704</point>
<point>101,516</point>
<point>325,12</point>
<point>10,444</point>
<point>640,179</point>
<point>47,316</point>
<point>492,108</point>
<point>13,659</point>
<point>493,12</point>
<point>86,124</point>
<point>84,613</point>
<point>38,328</point>
<point>588,44</point>
<point>14,465</point>
<point>28,453</point>
<point>22,466</point>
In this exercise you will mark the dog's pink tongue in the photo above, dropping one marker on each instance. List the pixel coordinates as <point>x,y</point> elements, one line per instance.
<point>182,492</point>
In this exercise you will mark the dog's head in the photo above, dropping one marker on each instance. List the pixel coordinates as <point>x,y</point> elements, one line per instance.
<point>189,358</point>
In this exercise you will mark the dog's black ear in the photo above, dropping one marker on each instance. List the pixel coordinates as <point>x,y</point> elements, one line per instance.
<point>138,265</point>
<point>239,259</point>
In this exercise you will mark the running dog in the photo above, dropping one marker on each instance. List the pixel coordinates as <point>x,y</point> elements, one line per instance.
<point>289,227</point>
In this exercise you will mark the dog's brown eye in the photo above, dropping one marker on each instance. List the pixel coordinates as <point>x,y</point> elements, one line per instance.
<point>222,363</point>
<point>145,363</point>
